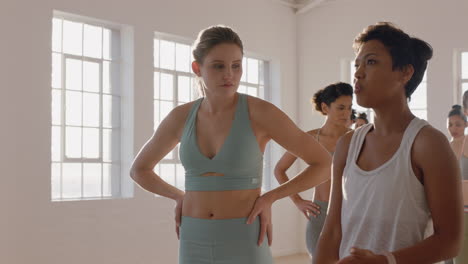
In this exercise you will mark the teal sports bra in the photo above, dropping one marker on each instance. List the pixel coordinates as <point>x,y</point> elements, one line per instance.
<point>240,160</point>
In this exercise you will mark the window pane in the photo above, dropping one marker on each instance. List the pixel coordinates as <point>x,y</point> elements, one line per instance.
<point>156,53</point>
<point>194,91</point>
<point>180,176</point>
<point>166,107</point>
<point>168,173</point>
<point>92,179</point>
<point>252,91</point>
<point>72,37</point>
<point>167,55</point>
<point>110,77</point>
<point>111,111</point>
<point>464,88</point>
<point>106,77</point>
<point>91,143</point>
<point>156,116</point>
<point>55,180</point>
<point>71,180</point>
<point>73,103</point>
<point>110,145</point>
<point>156,80</point>
<point>56,70</point>
<point>106,44</point>
<point>92,41</point>
<point>464,66</point>
<point>110,171</point>
<point>420,113</point>
<point>183,89</point>
<point>56,143</point>
<point>242,89</point>
<point>252,74</point>
<point>73,142</point>
<point>91,111</point>
<point>157,170</point>
<point>182,57</point>
<point>167,86</point>
<point>261,68</point>
<point>419,97</point>
<point>56,35</point>
<point>91,76</point>
<point>73,74</point>
<point>56,107</point>
<point>169,156</point>
<point>244,69</point>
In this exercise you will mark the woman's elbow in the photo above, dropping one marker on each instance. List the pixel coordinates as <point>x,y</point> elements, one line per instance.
<point>453,244</point>
<point>135,173</point>
<point>457,244</point>
<point>278,171</point>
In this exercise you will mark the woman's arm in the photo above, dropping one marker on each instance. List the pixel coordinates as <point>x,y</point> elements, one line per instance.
<point>465,192</point>
<point>305,206</point>
<point>162,142</point>
<point>276,125</point>
<point>330,238</point>
<point>279,127</point>
<point>433,155</point>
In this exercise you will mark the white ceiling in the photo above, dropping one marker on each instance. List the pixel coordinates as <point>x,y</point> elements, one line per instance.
<point>302,6</point>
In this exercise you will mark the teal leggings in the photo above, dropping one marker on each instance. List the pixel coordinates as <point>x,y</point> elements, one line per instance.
<point>225,241</point>
<point>315,226</point>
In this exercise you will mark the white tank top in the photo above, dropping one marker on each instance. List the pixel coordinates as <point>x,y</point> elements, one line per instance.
<point>384,209</point>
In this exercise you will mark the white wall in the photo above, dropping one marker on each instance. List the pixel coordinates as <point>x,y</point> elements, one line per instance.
<point>137,230</point>
<point>325,37</point>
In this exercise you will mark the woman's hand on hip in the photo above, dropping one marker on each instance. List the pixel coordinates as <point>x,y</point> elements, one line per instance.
<point>262,208</point>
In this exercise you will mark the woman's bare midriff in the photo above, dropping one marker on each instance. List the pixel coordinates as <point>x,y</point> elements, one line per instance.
<point>219,204</point>
<point>322,192</point>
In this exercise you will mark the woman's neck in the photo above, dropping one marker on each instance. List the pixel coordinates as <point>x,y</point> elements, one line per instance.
<point>392,117</point>
<point>332,129</point>
<point>219,103</point>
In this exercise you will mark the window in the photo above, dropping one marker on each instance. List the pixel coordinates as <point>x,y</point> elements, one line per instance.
<point>462,75</point>
<point>175,84</point>
<point>85,160</point>
<point>417,104</point>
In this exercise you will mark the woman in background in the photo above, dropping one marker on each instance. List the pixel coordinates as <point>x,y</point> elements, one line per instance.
<point>333,101</point>
<point>361,120</point>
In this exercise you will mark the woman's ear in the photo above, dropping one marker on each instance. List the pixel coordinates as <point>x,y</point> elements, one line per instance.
<point>324,107</point>
<point>408,72</point>
<point>196,68</point>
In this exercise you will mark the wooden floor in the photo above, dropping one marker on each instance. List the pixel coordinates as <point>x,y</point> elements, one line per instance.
<point>293,259</point>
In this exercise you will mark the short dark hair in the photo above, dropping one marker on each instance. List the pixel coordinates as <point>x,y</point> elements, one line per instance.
<point>330,93</point>
<point>403,49</point>
<point>353,115</point>
<point>363,116</point>
<point>457,111</point>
